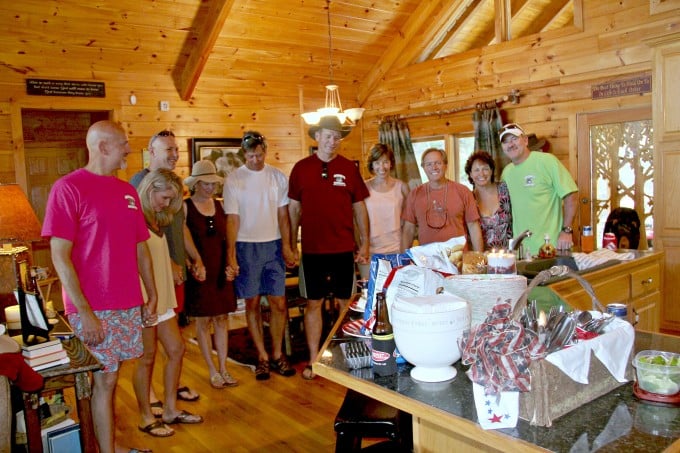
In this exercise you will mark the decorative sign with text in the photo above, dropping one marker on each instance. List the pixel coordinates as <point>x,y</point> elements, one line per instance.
<point>47,87</point>
<point>623,87</point>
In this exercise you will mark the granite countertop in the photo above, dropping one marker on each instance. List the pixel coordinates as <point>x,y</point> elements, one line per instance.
<point>617,421</point>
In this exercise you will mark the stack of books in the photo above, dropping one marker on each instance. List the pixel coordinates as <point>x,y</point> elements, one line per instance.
<point>44,355</point>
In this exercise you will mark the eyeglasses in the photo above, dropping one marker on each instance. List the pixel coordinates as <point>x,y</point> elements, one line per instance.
<point>324,170</point>
<point>212,230</point>
<point>164,133</point>
<point>252,140</point>
<point>436,214</point>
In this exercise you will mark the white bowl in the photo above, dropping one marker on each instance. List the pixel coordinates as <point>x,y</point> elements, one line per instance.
<point>426,331</point>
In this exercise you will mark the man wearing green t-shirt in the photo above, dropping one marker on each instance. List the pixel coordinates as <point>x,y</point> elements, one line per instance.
<point>543,193</point>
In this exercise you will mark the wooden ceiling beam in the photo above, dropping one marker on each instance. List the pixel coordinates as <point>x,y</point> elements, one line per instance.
<point>188,77</point>
<point>452,31</point>
<point>424,24</point>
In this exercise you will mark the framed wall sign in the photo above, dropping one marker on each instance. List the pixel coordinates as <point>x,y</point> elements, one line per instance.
<point>225,153</point>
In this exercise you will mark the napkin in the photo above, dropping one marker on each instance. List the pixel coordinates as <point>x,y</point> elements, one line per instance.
<point>612,349</point>
<point>601,256</point>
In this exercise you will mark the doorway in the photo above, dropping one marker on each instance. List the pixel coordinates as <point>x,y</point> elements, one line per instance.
<point>616,168</point>
<point>54,145</point>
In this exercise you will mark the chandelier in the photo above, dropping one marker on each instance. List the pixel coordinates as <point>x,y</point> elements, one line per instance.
<point>332,106</point>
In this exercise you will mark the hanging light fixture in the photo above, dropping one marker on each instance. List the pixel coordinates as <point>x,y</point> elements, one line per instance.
<point>332,106</point>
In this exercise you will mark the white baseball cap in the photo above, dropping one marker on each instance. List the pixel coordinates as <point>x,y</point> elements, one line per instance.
<point>511,128</point>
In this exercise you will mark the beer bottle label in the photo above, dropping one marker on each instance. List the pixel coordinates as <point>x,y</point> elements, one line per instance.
<point>382,355</point>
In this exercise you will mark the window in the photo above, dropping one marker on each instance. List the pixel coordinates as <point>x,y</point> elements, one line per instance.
<point>463,147</point>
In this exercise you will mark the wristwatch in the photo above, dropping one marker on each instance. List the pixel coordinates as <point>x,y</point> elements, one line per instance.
<point>567,229</point>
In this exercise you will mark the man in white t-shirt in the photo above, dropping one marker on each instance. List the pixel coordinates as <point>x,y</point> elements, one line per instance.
<point>258,247</point>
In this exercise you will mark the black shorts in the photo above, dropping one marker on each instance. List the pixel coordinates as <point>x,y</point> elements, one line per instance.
<point>324,274</point>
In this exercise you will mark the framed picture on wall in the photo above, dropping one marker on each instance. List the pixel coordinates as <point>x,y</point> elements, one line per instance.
<point>225,153</point>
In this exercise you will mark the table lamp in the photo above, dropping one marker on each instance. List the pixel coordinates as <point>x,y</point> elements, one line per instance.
<point>19,226</point>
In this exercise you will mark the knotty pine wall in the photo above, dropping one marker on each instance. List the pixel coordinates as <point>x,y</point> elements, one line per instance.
<point>210,113</point>
<point>553,71</point>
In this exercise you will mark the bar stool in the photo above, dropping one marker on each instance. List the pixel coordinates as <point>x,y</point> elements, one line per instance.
<point>361,416</point>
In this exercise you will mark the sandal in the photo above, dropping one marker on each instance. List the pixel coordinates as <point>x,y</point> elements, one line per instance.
<point>308,373</point>
<point>157,409</point>
<point>282,366</point>
<point>186,394</point>
<point>262,370</point>
<point>157,429</point>
<point>186,418</point>
<point>217,381</point>
<point>229,381</point>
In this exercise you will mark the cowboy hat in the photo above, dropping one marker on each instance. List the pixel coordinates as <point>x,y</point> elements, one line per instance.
<point>203,170</point>
<point>331,123</point>
<point>534,143</point>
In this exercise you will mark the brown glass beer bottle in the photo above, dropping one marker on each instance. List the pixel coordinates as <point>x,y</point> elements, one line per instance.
<point>383,347</point>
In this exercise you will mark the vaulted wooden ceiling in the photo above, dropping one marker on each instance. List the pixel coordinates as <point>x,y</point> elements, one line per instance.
<point>279,43</point>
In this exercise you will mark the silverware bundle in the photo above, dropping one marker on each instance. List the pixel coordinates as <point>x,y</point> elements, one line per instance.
<point>558,329</point>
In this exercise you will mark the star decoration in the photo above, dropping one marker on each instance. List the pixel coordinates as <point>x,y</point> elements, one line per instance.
<point>495,419</point>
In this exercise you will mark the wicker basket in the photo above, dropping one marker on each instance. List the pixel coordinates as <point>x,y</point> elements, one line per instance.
<point>483,291</point>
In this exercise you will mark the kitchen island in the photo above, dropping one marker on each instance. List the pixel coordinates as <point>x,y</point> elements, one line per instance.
<point>445,419</point>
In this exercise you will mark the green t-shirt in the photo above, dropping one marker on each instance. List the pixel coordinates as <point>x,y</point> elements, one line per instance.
<point>537,187</point>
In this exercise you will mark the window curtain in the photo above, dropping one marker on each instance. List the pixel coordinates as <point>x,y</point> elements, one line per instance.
<point>487,124</point>
<point>395,132</point>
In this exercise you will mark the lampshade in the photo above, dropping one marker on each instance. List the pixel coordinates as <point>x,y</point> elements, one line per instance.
<point>332,106</point>
<point>18,221</point>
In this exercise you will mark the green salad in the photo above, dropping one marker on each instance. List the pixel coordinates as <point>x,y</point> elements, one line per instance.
<point>659,374</point>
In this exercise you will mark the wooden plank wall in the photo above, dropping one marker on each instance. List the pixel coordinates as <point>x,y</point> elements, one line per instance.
<point>553,71</point>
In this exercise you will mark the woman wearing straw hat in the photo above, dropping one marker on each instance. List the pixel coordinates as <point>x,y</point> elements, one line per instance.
<point>211,300</point>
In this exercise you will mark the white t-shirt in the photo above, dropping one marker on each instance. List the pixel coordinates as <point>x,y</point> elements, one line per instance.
<point>256,196</point>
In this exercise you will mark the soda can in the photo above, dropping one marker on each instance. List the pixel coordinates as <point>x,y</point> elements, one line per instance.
<point>618,310</point>
<point>609,241</point>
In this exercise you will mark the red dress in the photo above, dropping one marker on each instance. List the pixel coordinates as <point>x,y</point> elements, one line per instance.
<point>214,296</point>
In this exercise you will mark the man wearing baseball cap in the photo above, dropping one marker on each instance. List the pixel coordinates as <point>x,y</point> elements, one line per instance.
<point>543,193</point>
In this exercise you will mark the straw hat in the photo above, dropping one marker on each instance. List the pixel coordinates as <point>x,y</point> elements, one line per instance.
<point>331,123</point>
<point>203,170</point>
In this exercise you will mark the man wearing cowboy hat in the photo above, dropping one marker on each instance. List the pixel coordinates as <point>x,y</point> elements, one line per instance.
<point>327,195</point>
<point>543,193</point>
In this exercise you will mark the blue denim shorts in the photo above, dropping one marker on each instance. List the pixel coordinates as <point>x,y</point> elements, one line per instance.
<point>261,269</point>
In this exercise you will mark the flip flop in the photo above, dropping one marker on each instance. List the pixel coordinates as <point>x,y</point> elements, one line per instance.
<point>308,374</point>
<point>157,429</point>
<point>186,418</point>
<point>182,391</point>
<point>158,406</point>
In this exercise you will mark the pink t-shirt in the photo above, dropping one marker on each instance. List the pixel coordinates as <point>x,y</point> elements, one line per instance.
<point>461,208</point>
<point>102,217</point>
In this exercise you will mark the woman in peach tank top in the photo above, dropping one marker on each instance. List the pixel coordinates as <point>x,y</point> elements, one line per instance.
<point>387,195</point>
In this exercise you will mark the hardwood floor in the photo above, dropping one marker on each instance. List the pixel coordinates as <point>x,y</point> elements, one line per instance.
<point>278,415</point>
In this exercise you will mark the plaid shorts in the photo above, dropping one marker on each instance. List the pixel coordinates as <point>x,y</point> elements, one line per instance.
<point>122,340</point>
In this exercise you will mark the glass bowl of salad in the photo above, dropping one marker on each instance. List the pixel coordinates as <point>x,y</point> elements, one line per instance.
<point>658,371</point>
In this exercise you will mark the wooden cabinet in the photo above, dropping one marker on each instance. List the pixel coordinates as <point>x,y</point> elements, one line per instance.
<point>666,118</point>
<point>637,283</point>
